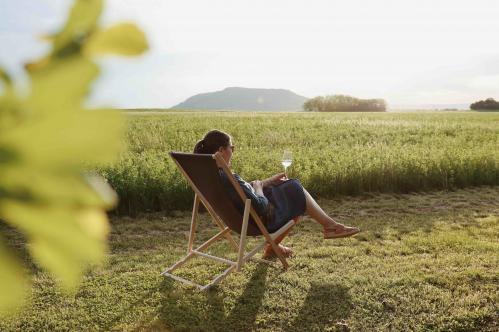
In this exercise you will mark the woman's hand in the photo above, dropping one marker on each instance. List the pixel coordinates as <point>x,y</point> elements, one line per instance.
<point>258,186</point>
<point>275,180</point>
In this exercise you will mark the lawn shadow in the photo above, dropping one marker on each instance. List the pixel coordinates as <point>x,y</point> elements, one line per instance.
<point>326,307</point>
<point>109,325</point>
<point>242,317</point>
<point>193,310</point>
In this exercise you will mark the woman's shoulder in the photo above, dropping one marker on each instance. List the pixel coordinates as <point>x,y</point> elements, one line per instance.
<point>221,171</point>
<point>223,174</point>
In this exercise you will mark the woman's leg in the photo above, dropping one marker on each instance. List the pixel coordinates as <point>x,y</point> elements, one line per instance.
<point>332,229</point>
<point>315,211</point>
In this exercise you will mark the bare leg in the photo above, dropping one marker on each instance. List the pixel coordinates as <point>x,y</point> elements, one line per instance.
<point>315,211</point>
<point>332,229</point>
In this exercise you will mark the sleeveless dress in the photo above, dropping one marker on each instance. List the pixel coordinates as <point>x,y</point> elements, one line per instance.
<point>278,205</point>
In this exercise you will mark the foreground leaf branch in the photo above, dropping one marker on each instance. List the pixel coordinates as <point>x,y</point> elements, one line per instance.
<point>47,140</point>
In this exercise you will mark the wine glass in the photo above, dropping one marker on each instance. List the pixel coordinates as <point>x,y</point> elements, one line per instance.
<point>287,159</point>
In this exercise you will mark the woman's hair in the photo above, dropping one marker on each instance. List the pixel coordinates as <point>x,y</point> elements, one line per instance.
<point>212,141</point>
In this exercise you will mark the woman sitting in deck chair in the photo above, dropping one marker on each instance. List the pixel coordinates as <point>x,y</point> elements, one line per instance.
<point>276,199</point>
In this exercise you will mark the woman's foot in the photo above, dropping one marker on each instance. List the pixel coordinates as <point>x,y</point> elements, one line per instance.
<point>335,231</point>
<point>269,252</point>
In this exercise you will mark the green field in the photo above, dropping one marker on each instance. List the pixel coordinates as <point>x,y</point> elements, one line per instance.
<point>423,262</point>
<point>334,153</point>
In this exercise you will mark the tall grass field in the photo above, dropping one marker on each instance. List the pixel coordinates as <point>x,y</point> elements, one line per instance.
<point>334,154</point>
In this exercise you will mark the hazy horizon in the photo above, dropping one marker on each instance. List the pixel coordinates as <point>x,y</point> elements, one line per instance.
<point>406,52</point>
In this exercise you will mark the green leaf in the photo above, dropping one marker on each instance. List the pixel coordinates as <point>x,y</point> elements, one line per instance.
<point>61,85</point>
<point>68,140</point>
<point>11,111</point>
<point>103,189</point>
<point>47,141</point>
<point>82,20</point>
<point>122,39</point>
<point>5,78</point>
<point>63,240</point>
<point>66,189</point>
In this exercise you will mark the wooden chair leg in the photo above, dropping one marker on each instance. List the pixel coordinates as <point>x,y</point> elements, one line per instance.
<point>197,252</point>
<point>244,230</point>
<point>192,232</point>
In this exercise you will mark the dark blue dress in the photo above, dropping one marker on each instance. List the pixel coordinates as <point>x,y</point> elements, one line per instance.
<point>278,205</point>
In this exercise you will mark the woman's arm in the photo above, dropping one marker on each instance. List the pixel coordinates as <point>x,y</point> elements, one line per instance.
<point>274,180</point>
<point>258,186</point>
<point>258,199</point>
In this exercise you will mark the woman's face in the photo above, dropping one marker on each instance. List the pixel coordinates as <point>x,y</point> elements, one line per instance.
<point>227,152</point>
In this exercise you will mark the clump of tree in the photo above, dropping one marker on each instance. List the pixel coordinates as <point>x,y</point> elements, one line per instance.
<point>489,104</point>
<point>342,103</point>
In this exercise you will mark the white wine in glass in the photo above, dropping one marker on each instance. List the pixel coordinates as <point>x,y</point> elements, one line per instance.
<point>287,159</point>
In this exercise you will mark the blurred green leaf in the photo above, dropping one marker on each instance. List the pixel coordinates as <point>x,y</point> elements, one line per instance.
<point>82,20</point>
<point>5,78</point>
<point>48,141</point>
<point>65,241</point>
<point>122,39</point>
<point>61,85</point>
<point>10,109</point>
<point>65,188</point>
<point>100,186</point>
<point>67,42</point>
<point>68,139</point>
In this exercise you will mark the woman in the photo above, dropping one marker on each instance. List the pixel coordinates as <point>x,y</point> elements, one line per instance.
<point>276,199</point>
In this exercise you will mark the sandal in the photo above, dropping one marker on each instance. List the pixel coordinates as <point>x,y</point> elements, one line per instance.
<point>340,231</point>
<point>269,252</point>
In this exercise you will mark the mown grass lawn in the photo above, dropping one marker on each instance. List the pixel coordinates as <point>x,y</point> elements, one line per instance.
<point>423,262</point>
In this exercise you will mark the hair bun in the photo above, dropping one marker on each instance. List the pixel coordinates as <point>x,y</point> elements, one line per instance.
<point>212,141</point>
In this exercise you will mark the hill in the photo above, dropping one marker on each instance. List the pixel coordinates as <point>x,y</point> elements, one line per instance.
<point>245,99</point>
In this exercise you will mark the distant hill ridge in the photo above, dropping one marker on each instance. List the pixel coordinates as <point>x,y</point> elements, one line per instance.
<point>245,99</point>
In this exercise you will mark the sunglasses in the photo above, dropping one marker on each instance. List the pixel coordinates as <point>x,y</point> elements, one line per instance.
<point>232,147</point>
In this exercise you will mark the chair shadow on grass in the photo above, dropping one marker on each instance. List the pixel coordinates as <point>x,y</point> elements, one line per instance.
<point>325,306</point>
<point>193,310</point>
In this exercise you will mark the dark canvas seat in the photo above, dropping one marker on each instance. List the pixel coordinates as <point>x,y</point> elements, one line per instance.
<point>201,171</point>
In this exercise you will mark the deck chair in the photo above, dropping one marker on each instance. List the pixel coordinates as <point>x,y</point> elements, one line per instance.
<point>201,171</point>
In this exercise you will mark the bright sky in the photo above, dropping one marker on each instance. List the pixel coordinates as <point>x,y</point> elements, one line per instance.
<point>407,52</point>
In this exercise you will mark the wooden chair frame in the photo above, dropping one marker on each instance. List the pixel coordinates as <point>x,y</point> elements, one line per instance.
<point>225,232</point>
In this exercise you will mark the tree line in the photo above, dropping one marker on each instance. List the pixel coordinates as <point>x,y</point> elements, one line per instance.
<point>343,103</point>
<point>487,104</point>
